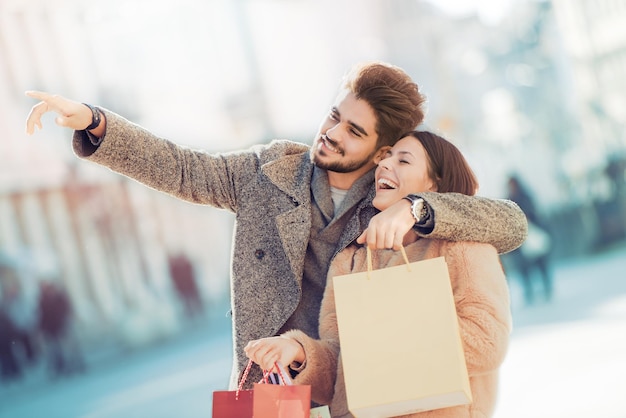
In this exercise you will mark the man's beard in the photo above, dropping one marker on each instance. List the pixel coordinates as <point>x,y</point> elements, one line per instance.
<point>340,166</point>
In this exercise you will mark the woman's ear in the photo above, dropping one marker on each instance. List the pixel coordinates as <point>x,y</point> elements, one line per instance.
<point>433,186</point>
<point>381,154</point>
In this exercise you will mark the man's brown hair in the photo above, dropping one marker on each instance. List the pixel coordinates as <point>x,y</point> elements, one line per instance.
<point>392,94</point>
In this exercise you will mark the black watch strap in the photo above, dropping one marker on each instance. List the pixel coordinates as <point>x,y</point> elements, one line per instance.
<point>96,117</point>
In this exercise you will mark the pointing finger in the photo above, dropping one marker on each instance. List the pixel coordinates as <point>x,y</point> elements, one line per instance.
<point>39,95</point>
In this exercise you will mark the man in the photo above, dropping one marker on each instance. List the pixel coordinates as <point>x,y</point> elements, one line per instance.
<point>295,206</point>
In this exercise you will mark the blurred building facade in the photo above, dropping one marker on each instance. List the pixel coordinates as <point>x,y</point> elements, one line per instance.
<point>538,94</point>
<point>594,36</point>
<point>105,238</point>
<point>528,95</point>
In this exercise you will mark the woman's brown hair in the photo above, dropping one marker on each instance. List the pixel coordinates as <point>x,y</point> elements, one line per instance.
<point>446,164</point>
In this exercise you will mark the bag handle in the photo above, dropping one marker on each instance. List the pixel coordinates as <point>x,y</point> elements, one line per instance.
<point>282,373</point>
<point>283,376</point>
<point>286,380</point>
<point>369,260</point>
<point>244,376</point>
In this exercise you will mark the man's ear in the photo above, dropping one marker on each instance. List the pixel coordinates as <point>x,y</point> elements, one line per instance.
<point>381,153</point>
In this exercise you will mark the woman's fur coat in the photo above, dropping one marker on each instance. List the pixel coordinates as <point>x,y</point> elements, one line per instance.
<point>482,303</point>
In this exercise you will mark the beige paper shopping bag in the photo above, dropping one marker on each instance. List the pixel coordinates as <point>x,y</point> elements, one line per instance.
<point>400,343</point>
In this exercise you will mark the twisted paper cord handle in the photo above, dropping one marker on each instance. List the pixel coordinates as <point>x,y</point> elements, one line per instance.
<point>286,380</point>
<point>369,261</point>
<point>243,379</point>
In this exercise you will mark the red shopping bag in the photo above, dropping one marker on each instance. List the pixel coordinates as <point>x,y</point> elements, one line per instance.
<point>234,403</point>
<point>284,400</point>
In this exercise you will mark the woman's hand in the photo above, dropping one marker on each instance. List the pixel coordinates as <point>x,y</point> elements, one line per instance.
<point>388,228</point>
<point>71,114</point>
<point>267,351</point>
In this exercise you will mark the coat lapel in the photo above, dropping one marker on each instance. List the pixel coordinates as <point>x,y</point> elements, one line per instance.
<point>359,221</point>
<point>293,234</point>
<point>292,175</point>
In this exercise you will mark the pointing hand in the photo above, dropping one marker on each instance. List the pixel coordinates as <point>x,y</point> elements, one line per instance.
<point>71,114</point>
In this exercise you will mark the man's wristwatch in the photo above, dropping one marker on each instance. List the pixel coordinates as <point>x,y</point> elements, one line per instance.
<point>418,208</point>
<point>95,117</point>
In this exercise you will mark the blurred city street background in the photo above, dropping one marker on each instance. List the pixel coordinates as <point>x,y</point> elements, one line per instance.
<point>527,89</point>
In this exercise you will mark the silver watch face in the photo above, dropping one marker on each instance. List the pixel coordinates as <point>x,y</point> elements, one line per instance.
<point>416,208</point>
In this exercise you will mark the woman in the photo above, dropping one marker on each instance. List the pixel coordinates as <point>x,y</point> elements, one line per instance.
<point>419,162</point>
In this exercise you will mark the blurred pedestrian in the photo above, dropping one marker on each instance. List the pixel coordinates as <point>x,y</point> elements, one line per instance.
<point>19,309</point>
<point>184,280</point>
<point>10,368</point>
<point>55,317</point>
<point>534,254</point>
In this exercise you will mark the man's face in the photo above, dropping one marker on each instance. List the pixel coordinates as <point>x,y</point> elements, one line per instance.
<point>346,141</point>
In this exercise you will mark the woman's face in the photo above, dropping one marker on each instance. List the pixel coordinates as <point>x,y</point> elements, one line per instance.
<point>404,170</point>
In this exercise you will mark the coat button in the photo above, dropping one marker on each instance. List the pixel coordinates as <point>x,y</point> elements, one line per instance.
<point>259,254</point>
